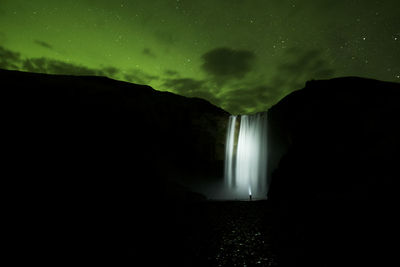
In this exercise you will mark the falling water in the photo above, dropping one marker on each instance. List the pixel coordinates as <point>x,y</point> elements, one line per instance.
<point>246,163</point>
<point>229,157</point>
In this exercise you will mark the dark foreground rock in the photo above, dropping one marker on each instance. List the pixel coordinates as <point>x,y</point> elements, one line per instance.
<point>97,114</point>
<point>334,190</point>
<point>96,160</point>
<point>106,130</point>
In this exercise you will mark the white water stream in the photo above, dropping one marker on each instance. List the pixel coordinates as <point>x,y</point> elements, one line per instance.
<point>246,156</point>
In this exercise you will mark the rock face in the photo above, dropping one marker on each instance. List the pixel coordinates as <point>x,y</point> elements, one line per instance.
<point>96,130</point>
<point>100,158</point>
<point>334,149</point>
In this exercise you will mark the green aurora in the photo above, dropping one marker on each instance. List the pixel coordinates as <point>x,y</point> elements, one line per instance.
<point>243,56</point>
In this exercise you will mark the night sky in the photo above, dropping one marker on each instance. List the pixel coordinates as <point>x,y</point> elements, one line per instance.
<point>243,56</point>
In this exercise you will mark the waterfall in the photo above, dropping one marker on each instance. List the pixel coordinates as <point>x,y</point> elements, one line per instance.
<point>246,163</point>
<point>229,157</point>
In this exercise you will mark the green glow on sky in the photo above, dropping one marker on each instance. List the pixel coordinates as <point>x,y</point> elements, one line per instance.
<point>240,55</point>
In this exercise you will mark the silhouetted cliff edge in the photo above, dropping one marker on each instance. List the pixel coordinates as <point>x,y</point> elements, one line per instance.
<point>334,155</point>
<point>107,130</point>
<point>98,158</point>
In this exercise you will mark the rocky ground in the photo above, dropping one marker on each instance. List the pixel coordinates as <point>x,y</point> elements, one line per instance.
<point>216,233</point>
<point>239,234</point>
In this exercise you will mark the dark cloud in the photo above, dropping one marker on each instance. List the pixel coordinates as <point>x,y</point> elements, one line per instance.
<point>166,37</point>
<point>13,60</point>
<point>148,53</point>
<point>246,96</point>
<point>9,59</point>
<point>248,99</point>
<point>191,88</point>
<point>184,86</point>
<point>301,66</point>
<point>45,65</point>
<point>225,63</point>
<point>171,73</point>
<point>139,76</point>
<point>44,44</point>
<point>109,71</point>
<point>304,61</point>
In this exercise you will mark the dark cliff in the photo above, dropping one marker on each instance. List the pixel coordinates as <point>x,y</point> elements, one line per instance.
<point>84,130</point>
<point>93,164</point>
<point>334,172</point>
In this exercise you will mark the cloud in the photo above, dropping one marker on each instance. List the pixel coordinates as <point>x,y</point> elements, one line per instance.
<point>244,100</point>
<point>171,73</point>
<point>166,37</point>
<point>226,63</point>
<point>109,71</point>
<point>299,67</point>
<point>139,76</point>
<point>43,44</point>
<point>304,61</point>
<point>9,59</point>
<point>191,88</point>
<point>258,94</point>
<point>45,65</point>
<point>13,60</point>
<point>184,85</point>
<point>148,53</point>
